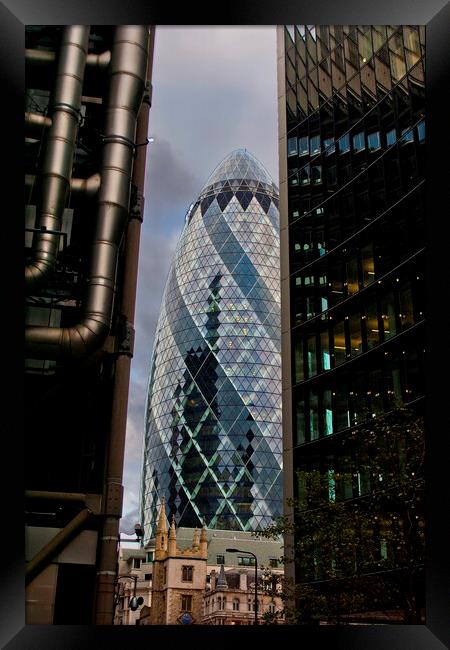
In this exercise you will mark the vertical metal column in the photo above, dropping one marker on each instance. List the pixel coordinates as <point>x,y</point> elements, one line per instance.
<point>106,575</point>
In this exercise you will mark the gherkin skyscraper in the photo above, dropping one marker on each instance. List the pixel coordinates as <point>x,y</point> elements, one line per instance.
<point>213,442</point>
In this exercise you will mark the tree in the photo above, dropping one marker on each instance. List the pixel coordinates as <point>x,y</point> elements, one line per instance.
<point>359,534</point>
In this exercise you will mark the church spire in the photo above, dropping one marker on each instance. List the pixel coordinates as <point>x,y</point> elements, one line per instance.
<point>161,532</point>
<point>172,548</point>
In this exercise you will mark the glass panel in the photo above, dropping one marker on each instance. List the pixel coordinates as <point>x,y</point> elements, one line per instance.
<point>313,416</point>
<point>316,174</point>
<point>311,358</point>
<point>398,68</point>
<point>325,351</point>
<point>373,141</point>
<point>407,136</point>
<point>352,276</point>
<point>300,423</point>
<point>391,137</point>
<point>331,175</point>
<point>304,175</point>
<point>358,141</point>
<point>329,146</point>
<point>421,131</point>
<point>368,269</point>
<point>292,146</point>
<point>327,413</point>
<point>406,306</point>
<point>342,412</point>
<point>375,393</point>
<point>372,328</point>
<point>337,289</point>
<point>299,372</point>
<point>303,145</point>
<point>344,143</point>
<point>355,335</point>
<point>314,144</point>
<point>339,343</point>
<point>388,315</point>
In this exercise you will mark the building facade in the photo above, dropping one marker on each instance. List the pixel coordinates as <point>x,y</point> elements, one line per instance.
<point>213,444</point>
<point>351,141</point>
<point>189,578</point>
<point>87,105</point>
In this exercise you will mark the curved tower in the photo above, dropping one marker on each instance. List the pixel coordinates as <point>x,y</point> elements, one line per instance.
<point>213,441</point>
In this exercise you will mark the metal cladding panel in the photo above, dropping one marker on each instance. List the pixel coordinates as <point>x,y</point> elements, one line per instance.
<point>213,443</point>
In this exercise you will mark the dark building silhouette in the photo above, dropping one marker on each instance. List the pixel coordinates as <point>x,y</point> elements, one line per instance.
<point>87,101</point>
<point>351,133</point>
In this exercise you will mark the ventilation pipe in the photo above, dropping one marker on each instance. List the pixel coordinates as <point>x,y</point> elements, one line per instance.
<point>58,156</point>
<point>127,82</point>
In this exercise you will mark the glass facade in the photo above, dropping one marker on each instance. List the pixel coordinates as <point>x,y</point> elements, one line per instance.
<point>355,244</point>
<point>213,443</point>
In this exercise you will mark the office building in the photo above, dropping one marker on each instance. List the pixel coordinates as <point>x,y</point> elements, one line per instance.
<point>87,101</point>
<point>213,421</point>
<point>351,137</point>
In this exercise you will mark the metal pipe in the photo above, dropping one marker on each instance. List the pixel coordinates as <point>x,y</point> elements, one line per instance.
<point>59,150</point>
<point>36,124</point>
<point>114,470</point>
<point>55,545</point>
<point>55,496</point>
<point>78,186</point>
<point>45,58</point>
<point>127,70</point>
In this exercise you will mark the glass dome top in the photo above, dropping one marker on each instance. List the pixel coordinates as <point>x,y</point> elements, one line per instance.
<point>238,167</point>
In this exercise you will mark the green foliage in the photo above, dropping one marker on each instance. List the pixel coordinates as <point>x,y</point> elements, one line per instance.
<point>359,534</point>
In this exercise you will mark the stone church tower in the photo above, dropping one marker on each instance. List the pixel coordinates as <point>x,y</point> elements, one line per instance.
<point>179,576</point>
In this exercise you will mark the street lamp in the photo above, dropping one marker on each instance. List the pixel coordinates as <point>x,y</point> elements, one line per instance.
<point>236,550</point>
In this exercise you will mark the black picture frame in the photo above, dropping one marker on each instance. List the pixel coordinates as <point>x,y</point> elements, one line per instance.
<point>435,14</point>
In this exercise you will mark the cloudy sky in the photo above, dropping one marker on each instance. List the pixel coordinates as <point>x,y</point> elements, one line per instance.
<point>214,90</point>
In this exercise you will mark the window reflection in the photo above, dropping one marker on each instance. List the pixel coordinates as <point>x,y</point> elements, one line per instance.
<point>388,315</point>
<point>339,343</point>
<point>313,416</point>
<point>355,335</point>
<point>311,356</point>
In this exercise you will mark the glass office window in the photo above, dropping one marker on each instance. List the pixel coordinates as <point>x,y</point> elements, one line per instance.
<point>373,141</point>
<point>407,135</point>
<point>303,145</point>
<point>311,355</point>
<point>293,177</point>
<point>406,306</point>
<point>355,334</point>
<point>327,411</point>
<point>372,328</point>
<point>300,422</point>
<point>325,351</point>
<point>358,141</point>
<point>314,144</point>
<point>339,343</point>
<point>329,146</point>
<point>292,146</point>
<point>337,286</point>
<point>331,175</point>
<point>344,143</point>
<point>299,372</point>
<point>391,137</point>
<point>388,315</point>
<point>342,411</point>
<point>368,269</point>
<point>313,415</point>
<point>421,131</point>
<point>304,175</point>
<point>316,174</point>
<point>375,393</point>
<point>352,276</point>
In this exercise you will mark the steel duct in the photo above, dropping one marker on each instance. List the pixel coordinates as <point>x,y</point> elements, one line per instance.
<point>127,82</point>
<point>58,156</point>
